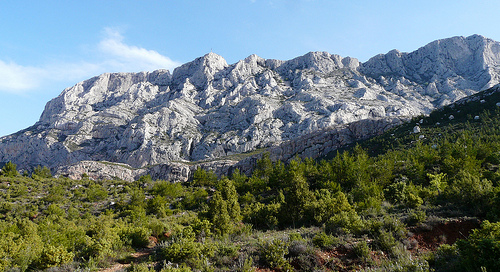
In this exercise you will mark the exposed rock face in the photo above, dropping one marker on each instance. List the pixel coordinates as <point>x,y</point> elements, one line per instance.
<point>172,171</point>
<point>207,109</point>
<point>448,69</point>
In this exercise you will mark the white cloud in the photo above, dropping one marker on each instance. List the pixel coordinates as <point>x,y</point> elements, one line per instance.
<point>132,57</point>
<point>15,78</point>
<point>114,56</point>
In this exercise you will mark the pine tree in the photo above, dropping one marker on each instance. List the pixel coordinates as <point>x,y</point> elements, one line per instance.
<point>9,170</point>
<point>224,209</point>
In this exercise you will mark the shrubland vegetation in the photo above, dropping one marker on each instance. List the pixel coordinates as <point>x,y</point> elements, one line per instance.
<point>361,209</point>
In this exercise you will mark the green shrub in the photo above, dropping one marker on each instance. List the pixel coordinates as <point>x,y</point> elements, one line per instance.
<point>182,247</point>
<point>167,189</point>
<point>471,190</point>
<point>9,170</point>
<point>137,237</point>
<point>413,200</point>
<point>194,200</point>
<point>54,256</point>
<point>362,251</point>
<point>202,228</point>
<point>54,209</point>
<point>20,245</point>
<point>386,242</point>
<point>171,268</point>
<point>41,173</point>
<point>104,240</point>
<point>345,221</point>
<point>273,254</point>
<point>387,224</point>
<point>324,240</point>
<point>416,216</point>
<point>482,248</point>
<point>303,256</point>
<point>404,193</point>
<point>96,193</point>
<point>158,206</point>
<point>445,258</point>
<point>262,216</point>
<point>142,267</point>
<point>202,177</point>
<point>295,236</point>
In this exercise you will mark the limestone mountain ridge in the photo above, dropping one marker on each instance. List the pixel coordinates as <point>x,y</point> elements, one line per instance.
<point>207,110</point>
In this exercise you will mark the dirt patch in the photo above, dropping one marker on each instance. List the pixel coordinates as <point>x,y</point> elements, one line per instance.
<point>136,257</point>
<point>449,232</point>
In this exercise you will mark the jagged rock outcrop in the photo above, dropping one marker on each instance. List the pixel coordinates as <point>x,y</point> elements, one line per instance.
<point>171,171</point>
<point>207,109</point>
<point>447,69</point>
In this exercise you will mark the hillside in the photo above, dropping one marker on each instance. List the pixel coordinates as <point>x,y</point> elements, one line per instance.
<point>396,202</point>
<point>208,110</point>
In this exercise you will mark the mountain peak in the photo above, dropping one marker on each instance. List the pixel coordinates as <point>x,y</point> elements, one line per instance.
<point>214,60</point>
<point>199,71</point>
<point>469,61</point>
<point>209,109</point>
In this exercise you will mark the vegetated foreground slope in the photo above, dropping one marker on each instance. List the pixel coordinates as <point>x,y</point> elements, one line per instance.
<point>409,205</point>
<point>207,109</point>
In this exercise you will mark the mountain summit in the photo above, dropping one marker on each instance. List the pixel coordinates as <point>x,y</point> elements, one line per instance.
<point>207,109</point>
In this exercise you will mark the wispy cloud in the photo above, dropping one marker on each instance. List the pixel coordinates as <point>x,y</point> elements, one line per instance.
<point>15,78</point>
<point>114,55</point>
<point>132,57</point>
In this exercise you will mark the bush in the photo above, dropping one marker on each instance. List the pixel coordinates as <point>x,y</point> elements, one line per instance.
<point>20,245</point>
<point>325,241</point>
<point>203,178</point>
<point>362,250</point>
<point>416,216</point>
<point>386,242</point>
<point>171,268</point>
<point>54,256</point>
<point>41,173</point>
<point>182,247</point>
<point>303,257</point>
<point>158,206</point>
<point>387,224</point>
<point>104,240</point>
<point>9,170</point>
<point>137,237</point>
<point>273,254</point>
<point>345,221</point>
<point>469,189</point>
<point>194,200</point>
<point>482,248</point>
<point>96,193</point>
<point>445,258</point>
<point>167,189</point>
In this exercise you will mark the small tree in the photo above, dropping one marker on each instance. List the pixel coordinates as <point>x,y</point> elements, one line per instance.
<point>203,178</point>
<point>41,172</point>
<point>224,208</point>
<point>481,249</point>
<point>9,170</point>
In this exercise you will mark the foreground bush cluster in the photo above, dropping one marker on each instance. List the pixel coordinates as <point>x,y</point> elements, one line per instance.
<point>355,211</point>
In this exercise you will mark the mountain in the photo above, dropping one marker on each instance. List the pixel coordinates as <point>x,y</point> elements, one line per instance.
<point>207,110</point>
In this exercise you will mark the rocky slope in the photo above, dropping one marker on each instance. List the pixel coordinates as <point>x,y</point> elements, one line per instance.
<point>207,109</point>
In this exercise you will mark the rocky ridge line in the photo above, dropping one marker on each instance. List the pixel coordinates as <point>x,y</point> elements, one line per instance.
<point>207,109</point>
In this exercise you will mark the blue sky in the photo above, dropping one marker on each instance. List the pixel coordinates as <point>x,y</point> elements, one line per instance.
<point>46,46</point>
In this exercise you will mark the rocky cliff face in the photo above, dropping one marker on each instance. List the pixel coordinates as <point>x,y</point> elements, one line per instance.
<point>207,109</point>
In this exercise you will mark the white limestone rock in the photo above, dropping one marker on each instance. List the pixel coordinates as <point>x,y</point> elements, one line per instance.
<point>207,109</point>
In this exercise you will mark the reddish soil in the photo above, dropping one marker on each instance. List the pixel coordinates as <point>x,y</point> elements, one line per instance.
<point>426,239</point>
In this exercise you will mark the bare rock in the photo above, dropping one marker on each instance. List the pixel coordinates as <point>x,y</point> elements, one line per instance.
<point>207,110</point>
